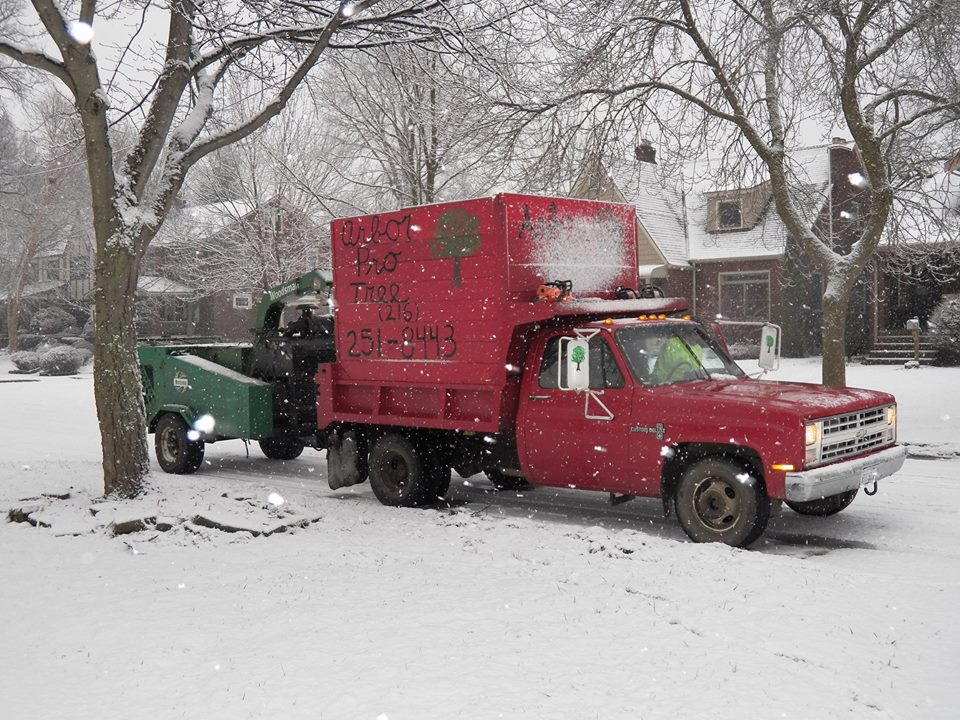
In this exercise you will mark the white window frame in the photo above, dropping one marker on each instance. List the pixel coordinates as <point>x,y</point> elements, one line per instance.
<point>242,301</point>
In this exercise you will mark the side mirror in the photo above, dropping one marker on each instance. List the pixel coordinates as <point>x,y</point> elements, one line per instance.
<point>769,347</point>
<point>575,359</point>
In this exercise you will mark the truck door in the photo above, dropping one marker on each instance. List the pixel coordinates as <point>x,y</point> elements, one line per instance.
<point>567,438</point>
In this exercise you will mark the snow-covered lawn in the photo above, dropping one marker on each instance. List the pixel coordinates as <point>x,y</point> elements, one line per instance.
<point>543,604</point>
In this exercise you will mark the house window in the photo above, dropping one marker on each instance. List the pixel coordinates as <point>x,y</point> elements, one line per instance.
<point>174,310</point>
<point>51,268</point>
<point>242,301</point>
<point>745,296</point>
<point>729,215</point>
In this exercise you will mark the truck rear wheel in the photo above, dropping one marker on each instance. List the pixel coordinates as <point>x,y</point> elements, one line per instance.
<point>176,453</point>
<point>400,474</point>
<point>281,448</point>
<point>720,501</point>
<point>824,506</point>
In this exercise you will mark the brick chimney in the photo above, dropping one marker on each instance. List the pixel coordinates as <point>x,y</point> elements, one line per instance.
<point>645,152</point>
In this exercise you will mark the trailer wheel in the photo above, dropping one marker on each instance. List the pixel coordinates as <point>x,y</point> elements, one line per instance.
<point>400,473</point>
<point>824,506</point>
<point>176,453</point>
<point>281,448</point>
<point>719,501</point>
<point>506,482</point>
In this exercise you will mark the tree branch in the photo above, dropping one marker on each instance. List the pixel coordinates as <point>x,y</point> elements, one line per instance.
<point>39,61</point>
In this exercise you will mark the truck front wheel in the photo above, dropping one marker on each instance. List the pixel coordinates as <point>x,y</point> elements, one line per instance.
<point>281,448</point>
<point>176,453</point>
<point>824,506</point>
<point>400,474</point>
<point>719,501</point>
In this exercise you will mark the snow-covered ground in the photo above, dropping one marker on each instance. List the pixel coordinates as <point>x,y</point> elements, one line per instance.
<point>542,604</point>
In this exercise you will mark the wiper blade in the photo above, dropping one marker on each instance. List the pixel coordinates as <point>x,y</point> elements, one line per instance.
<point>694,356</point>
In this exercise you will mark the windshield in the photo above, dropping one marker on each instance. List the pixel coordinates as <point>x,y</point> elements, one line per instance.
<point>671,353</point>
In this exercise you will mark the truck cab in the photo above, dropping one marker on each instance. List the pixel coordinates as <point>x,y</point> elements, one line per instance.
<point>660,409</point>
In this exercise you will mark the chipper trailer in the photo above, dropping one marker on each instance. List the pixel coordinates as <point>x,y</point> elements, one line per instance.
<point>506,335</point>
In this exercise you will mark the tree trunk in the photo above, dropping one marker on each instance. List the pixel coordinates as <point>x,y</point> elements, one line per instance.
<point>13,319</point>
<point>116,374</point>
<point>834,330</point>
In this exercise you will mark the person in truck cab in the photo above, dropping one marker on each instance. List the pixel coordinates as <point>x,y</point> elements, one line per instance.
<point>677,361</point>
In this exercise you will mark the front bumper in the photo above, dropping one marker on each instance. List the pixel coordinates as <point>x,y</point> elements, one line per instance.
<point>843,476</point>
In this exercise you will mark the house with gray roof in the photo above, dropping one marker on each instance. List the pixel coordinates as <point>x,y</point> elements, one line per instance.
<point>727,250</point>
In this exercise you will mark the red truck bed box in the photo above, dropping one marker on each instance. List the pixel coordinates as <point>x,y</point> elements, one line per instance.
<point>430,303</point>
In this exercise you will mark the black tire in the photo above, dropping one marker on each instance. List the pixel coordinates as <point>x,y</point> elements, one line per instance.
<point>439,469</point>
<point>176,453</point>
<point>719,501</point>
<point>824,506</point>
<point>506,482</point>
<point>440,477</point>
<point>400,473</point>
<point>281,448</point>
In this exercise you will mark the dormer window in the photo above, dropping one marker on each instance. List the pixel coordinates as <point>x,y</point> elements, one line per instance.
<point>729,215</point>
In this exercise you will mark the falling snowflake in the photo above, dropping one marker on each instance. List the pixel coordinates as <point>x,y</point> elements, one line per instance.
<point>81,32</point>
<point>205,424</point>
<point>275,499</point>
<point>857,179</point>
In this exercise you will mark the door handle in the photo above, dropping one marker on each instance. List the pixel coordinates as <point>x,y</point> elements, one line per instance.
<point>539,397</point>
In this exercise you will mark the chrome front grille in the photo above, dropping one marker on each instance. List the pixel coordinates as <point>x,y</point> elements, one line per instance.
<point>855,434</point>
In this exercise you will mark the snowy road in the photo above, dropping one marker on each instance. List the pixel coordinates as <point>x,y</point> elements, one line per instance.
<point>541,604</point>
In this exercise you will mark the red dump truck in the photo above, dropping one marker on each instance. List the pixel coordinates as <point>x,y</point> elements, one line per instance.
<point>507,335</point>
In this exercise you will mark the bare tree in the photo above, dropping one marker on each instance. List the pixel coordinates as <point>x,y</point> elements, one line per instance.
<point>14,77</point>
<point>742,81</point>
<point>46,199</point>
<point>256,211</point>
<point>274,43</point>
<point>413,122</point>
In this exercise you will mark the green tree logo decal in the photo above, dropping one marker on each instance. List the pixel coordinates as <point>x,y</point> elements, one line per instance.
<point>770,341</point>
<point>456,236</point>
<point>578,356</point>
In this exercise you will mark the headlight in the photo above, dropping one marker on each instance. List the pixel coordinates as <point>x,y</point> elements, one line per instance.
<point>892,415</point>
<point>812,434</point>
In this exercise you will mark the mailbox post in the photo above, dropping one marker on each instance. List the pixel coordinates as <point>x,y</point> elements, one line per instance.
<point>913,325</point>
